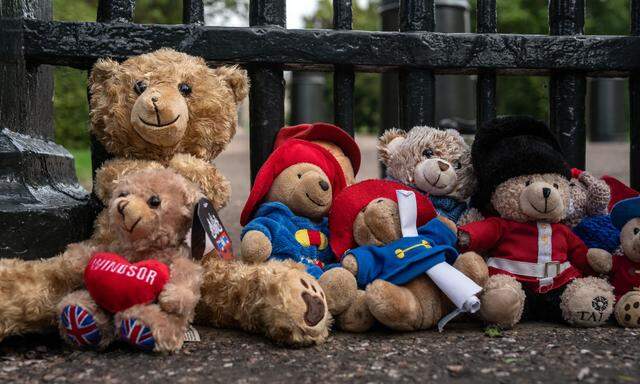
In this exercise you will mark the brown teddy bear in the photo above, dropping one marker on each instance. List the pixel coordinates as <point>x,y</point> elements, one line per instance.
<point>524,179</point>
<point>285,216</point>
<point>159,109</point>
<point>435,161</point>
<point>624,265</point>
<point>144,281</point>
<point>366,219</point>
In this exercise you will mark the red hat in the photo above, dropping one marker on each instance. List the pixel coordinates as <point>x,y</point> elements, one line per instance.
<point>323,132</point>
<point>352,199</point>
<point>290,153</point>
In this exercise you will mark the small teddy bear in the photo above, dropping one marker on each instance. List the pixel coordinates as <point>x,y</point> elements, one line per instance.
<point>624,265</point>
<point>437,162</point>
<point>588,212</point>
<point>364,222</point>
<point>523,177</point>
<point>145,282</point>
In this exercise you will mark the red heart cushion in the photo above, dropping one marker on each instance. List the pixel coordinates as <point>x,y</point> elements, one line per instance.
<point>115,284</point>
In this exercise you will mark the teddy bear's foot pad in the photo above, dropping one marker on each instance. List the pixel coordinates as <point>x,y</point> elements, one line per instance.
<point>628,311</point>
<point>80,327</point>
<point>137,334</point>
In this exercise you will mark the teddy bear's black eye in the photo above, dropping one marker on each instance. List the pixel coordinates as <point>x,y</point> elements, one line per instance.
<point>139,87</point>
<point>527,183</point>
<point>555,185</point>
<point>427,153</point>
<point>636,231</point>
<point>185,89</point>
<point>299,175</point>
<point>123,194</point>
<point>457,164</point>
<point>572,184</point>
<point>154,201</point>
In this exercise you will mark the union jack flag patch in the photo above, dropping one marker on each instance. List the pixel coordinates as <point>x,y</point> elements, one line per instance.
<point>137,334</point>
<point>80,326</point>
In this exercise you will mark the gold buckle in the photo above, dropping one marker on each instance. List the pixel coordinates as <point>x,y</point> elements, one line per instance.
<point>556,264</point>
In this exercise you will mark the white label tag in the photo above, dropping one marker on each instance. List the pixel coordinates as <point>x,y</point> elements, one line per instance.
<point>408,209</point>
<point>191,334</point>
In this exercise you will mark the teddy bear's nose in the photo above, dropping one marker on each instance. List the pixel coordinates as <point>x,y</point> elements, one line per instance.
<point>154,99</point>
<point>546,192</point>
<point>324,185</point>
<point>443,166</point>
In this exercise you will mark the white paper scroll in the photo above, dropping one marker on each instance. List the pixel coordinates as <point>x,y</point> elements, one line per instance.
<point>460,289</point>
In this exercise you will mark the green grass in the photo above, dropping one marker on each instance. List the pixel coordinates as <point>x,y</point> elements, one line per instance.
<point>83,166</point>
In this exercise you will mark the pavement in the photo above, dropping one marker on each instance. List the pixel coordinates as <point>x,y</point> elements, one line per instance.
<point>463,353</point>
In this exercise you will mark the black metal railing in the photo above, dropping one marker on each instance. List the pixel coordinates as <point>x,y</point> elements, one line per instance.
<point>417,53</point>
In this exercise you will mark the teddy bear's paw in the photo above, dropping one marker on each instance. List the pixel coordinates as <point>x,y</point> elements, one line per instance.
<point>473,266</point>
<point>79,328</point>
<point>136,333</point>
<point>149,328</point>
<point>394,306</point>
<point>296,311</point>
<point>587,302</point>
<point>340,287</point>
<point>502,301</point>
<point>628,310</point>
<point>357,318</point>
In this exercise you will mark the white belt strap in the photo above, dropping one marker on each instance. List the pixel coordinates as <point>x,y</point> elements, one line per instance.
<point>545,271</point>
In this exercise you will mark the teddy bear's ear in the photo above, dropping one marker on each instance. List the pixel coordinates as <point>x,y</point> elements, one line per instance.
<point>236,78</point>
<point>455,133</point>
<point>103,70</point>
<point>388,143</point>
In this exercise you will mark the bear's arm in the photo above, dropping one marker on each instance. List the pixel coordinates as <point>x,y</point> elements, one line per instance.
<point>480,235</point>
<point>182,292</point>
<point>577,252</point>
<point>212,183</point>
<point>111,171</point>
<point>282,240</point>
<point>598,194</point>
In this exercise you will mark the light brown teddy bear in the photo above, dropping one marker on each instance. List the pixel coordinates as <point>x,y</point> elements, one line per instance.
<point>623,267</point>
<point>434,161</point>
<point>365,221</point>
<point>159,109</point>
<point>151,213</point>
<point>524,179</point>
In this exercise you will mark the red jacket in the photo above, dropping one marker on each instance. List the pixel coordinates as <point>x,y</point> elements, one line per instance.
<point>625,274</point>
<point>529,243</point>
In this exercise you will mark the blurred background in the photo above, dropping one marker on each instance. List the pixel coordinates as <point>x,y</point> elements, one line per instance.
<point>309,95</point>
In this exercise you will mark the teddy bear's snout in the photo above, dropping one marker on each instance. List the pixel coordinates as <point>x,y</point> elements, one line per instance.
<point>435,176</point>
<point>541,200</point>
<point>160,116</point>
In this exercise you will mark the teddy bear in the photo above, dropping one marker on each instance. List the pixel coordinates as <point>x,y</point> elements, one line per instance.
<point>141,288</point>
<point>623,266</point>
<point>363,223</point>
<point>588,212</point>
<point>285,216</point>
<point>434,161</point>
<point>154,110</point>
<point>533,258</point>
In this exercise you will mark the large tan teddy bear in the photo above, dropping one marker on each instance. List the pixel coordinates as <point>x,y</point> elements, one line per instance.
<point>155,110</point>
<point>367,235</point>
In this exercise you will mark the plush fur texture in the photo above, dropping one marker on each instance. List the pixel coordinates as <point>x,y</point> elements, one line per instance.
<point>435,161</point>
<point>277,299</point>
<point>418,304</point>
<point>33,288</point>
<point>589,197</point>
<point>144,231</point>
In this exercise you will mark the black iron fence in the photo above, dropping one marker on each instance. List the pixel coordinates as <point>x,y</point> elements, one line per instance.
<point>39,174</point>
